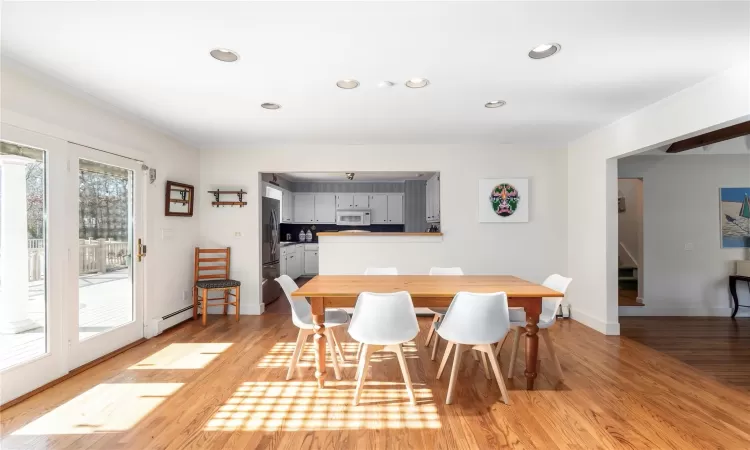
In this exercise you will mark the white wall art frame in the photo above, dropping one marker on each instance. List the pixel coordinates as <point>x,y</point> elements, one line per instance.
<point>503,200</point>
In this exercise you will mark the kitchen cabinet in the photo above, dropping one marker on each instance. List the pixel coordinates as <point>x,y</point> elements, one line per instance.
<point>361,201</point>
<point>395,208</point>
<point>378,208</point>
<point>433,199</point>
<point>304,208</point>
<point>292,261</point>
<point>311,262</point>
<point>325,208</point>
<point>344,201</point>
<point>282,264</point>
<point>287,206</point>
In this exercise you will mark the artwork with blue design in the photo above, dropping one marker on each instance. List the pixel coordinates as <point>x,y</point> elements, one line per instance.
<point>735,217</point>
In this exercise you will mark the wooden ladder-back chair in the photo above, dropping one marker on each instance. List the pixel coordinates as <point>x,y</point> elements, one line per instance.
<point>212,274</point>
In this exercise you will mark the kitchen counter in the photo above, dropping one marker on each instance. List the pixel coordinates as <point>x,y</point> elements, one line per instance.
<point>366,234</point>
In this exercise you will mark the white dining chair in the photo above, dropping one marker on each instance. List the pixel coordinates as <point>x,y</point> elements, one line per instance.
<point>474,321</point>
<point>371,312</point>
<point>302,318</point>
<point>376,271</point>
<point>381,271</point>
<point>439,312</point>
<point>547,318</point>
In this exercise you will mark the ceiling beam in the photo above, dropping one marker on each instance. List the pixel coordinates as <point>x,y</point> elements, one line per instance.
<point>724,134</point>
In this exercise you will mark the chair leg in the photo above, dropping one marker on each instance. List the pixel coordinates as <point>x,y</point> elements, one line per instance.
<point>484,364</point>
<point>498,374</point>
<point>237,304</point>
<point>475,354</point>
<point>338,346</point>
<point>513,352</point>
<point>226,301</point>
<point>500,345</point>
<point>448,349</point>
<point>367,350</point>
<point>551,348</point>
<point>195,302</point>
<point>435,347</point>
<point>332,351</point>
<point>405,372</point>
<point>301,338</point>
<point>454,373</point>
<point>435,318</point>
<point>359,350</point>
<point>205,305</point>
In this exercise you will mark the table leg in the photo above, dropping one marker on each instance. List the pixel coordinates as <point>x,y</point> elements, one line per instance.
<point>319,316</point>
<point>532,342</point>
<point>733,291</point>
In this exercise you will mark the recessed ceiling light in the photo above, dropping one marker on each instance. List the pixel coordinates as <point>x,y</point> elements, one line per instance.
<point>415,83</point>
<point>270,106</point>
<point>494,104</point>
<point>223,54</point>
<point>544,51</point>
<point>347,84</point>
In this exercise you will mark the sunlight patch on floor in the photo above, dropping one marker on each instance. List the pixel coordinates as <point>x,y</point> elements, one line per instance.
<point>281,353</point>
<point>193,355</point>
<point>103,408</point>
<point>301,405</point>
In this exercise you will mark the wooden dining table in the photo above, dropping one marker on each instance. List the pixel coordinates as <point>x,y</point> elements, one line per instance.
<point>429,291</point>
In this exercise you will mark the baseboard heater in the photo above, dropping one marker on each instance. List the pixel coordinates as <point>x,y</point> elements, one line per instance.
<point>158,325</point>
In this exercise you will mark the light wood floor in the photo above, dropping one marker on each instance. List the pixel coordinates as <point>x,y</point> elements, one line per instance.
<point>223,387</point>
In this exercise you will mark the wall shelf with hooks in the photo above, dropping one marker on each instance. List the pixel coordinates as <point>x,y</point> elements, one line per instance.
<point>218,193</point>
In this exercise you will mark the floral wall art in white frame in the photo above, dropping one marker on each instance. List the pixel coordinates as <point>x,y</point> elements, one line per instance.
<point>503,200</point>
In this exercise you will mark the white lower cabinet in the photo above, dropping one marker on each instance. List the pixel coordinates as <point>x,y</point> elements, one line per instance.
<point>311,259</point>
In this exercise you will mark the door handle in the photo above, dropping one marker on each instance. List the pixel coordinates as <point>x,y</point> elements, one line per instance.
<point>141,250</point>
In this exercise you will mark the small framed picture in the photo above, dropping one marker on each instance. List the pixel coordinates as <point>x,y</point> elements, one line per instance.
<point>503,200</point>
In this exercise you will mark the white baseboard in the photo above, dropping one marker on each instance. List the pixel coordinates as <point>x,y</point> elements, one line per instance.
<point>159,325</point>
<point>610,329</point>
<point>688,311</point>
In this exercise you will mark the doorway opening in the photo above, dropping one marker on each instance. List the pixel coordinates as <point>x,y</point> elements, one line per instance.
<point>630,243</point>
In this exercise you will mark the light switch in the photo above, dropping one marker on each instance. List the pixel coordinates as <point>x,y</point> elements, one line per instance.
<point>238,234</point>
<point>689,247</point>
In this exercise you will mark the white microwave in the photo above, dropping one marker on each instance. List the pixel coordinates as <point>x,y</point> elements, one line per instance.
<point>353,218</point>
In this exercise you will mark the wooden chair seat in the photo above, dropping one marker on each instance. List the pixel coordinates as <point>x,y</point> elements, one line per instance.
<point>217,284</point>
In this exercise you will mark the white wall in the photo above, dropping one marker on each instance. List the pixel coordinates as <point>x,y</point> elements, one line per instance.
<point>34,102</point>
<point>532,250</point>
<point>681,207</point>
<point>592,182</point>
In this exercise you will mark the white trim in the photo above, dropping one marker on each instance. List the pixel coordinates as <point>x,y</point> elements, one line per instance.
<point>159,325</point>
<point>610,329</point>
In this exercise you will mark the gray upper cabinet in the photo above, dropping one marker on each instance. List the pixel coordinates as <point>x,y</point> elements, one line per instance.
<point>304,208</point>
<point>395,208</point>
<point>325,208</point>
<point>433,199</point>
<point>379,208</point>
<point>344,201</point>
<point>361,201</point>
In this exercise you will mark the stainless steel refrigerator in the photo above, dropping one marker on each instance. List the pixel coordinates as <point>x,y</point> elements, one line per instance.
<point>270,248</point>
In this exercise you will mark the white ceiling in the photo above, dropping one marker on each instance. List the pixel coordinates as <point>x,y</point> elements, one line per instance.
<point>358,176</point>
<point>151,59</point>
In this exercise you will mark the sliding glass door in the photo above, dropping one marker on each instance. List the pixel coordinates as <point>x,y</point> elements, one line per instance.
<point>71,284</point>
<point>107,310</point>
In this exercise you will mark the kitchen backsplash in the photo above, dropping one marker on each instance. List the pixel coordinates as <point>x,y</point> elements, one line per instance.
<point>294,229</point>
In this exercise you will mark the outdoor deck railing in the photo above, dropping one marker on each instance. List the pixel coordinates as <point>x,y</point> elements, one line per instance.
<point>94,256</point>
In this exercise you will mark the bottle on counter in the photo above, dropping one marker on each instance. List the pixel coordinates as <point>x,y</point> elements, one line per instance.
<point>309,236</point>
<point>301,235</point>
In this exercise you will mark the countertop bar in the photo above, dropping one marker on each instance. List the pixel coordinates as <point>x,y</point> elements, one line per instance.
<point>360,234</point>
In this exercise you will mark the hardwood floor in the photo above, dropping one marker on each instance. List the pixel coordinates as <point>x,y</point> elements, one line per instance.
<point>628,297</point>
<point>223,387</point>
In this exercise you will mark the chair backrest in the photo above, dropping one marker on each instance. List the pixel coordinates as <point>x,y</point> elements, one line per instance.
<point>381,318</point>
<point>301,312</point>
<point>446,271</point>
<point>381,271</point>
<point>550,306</point>
<point>476,318</point>
<point>211,263</point>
